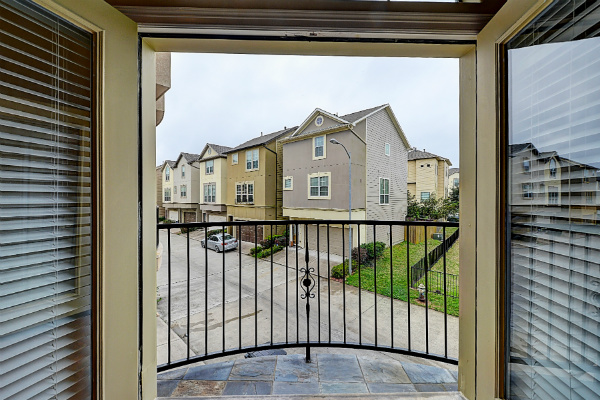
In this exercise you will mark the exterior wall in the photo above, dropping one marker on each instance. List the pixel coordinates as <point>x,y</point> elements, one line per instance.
<point>451,178</point>
<point>381,130</point>
<point>167,185</point>
<point>265,187</point>
<point>442,183</point>
<point>159,193</point>
<point>218,209</point>
<point>327,123</point>
<point>298,163</point>
<point>425,177</point>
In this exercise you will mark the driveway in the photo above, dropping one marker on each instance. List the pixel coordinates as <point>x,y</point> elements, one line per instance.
<point>249,299</point>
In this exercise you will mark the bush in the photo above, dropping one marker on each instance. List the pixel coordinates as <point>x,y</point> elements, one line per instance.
<point>340,270</point>
<point>278,240</point>
<point>254,250</point>
<point>360,255</point>
<point>267,252</point>
<point>214,232</point>
<point>367,252</point>
<point>185,230</point>
<point>167,221</point>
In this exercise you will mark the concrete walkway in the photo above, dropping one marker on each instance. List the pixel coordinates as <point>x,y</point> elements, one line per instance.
<point>327,374</point>
<point>276,309</point>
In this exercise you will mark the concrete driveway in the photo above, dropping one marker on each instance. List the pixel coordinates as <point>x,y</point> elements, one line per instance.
<point>264,294</point>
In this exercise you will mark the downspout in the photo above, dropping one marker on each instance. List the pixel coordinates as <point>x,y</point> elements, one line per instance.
<point>274,152</point>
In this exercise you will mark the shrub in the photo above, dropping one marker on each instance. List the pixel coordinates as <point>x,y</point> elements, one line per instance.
<point>367,253</point>
<point>267,252</point>
<point>360,255</point>
<point>340,270</point>
<point>214,232</point>
<point>278,240</point>
<point>192,229</point>
<point>254,250</point>
<point>168,221</point>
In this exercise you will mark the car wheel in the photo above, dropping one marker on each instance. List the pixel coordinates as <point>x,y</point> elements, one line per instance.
<point>217,248</point>
<point>202,244</point>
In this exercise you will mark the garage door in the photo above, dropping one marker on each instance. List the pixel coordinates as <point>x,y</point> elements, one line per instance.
<point>173,215</point>
<point>335,238</point>
<point>189,217</point>
<point>216,218</point>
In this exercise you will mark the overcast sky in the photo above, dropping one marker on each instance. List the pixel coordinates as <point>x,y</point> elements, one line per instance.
<point>229,99</point>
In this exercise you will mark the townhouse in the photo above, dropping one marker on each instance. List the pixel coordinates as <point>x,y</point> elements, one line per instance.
<point>181,187</point>
<point>427,175</point>
<point>252,182</point>
<point>316,175</point>
<point>213,182</point>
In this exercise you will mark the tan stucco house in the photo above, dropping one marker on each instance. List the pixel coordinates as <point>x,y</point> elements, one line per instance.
<point>427,175</point>
<point>316,174</point>
<point>213,183</point>
<point>181,183</point>
<point>453,179</point>
<point>252,182</point>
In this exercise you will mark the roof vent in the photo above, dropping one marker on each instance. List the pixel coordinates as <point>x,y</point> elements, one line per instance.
<point>261,134</point>
<point>285,127</point>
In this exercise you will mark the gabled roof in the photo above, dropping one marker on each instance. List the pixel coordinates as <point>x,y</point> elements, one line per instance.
<point>453,171</point>
<point>358,115</point>
<point>170,163</point>
<point>189,157</point>
<point>219,150</point>
<point>415,154</point>
<point>263,139</point>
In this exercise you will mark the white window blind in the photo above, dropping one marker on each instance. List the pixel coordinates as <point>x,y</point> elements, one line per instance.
<point>45,205</point>
<point>554,237</point>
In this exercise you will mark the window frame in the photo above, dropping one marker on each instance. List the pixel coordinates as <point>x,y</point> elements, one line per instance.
<point>388,149</point>
<point>314,147</point>
<point>243,189</point>
<point>183,191</point>
<point>183,171</point>
<point>234,158</point>
<point>165,192</point>
<point>208,188</point>
<point>319,175</point>
<point>252,160</point>
<point>291,179</point>
<point>383,195</point>
<point>428,196</point>
<point>209,169</point>
<point>167,174</point>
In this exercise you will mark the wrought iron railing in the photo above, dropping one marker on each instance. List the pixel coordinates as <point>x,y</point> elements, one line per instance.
<point>236,302</point>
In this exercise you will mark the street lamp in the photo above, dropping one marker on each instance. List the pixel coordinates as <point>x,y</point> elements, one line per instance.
<point>349,205</point>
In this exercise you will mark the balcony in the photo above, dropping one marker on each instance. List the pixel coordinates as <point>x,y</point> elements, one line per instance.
<point>221,305</point>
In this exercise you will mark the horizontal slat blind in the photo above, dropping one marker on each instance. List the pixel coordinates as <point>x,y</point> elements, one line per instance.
<point>45,205</point>
<point>554,204</point>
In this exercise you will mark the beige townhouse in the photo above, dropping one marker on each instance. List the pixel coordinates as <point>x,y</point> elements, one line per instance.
<point>213,183</point>
<point>427,175</point>
<point>316,175</point>
<point>183,189</point>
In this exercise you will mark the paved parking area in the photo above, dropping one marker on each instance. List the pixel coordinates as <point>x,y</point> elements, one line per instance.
<point>328,374</point>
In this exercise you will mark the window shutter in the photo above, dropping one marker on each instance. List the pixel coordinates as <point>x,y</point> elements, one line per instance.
<point>45,205</point>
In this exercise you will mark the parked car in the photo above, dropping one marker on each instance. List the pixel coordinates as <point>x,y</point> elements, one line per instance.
<point>220,242</point>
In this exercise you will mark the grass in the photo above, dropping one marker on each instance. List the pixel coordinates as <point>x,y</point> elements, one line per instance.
<point>398,262</point>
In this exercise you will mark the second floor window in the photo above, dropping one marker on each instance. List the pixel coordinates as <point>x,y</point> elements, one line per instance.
<point>553,195</point>
<point>319,142</point>
<point>455,182</point>
<point>183,191</point>
<point>384,191</point>
<point>288,183</point>
<point>234,158</point>
<point>527,191</point>
<point>252,159</point>
<point>244,193</point>
<point>183,171</point>
<point>210,167</point>
<point>526,165</point>
<point>167,194</point>
<point>210,193</point>
<point>167,174</point>
<point>387,149</point>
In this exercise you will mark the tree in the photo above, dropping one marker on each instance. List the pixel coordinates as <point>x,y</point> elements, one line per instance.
<point>431,208</point>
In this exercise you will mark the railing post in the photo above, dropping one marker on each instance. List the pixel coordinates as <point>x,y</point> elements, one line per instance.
<point>308,284</point>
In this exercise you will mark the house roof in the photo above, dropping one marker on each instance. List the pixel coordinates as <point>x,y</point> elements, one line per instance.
<point>220,151</point>
<point>263,139</point>
<point>171,164</point>
<point>453,171</point>
<point>415,154</point>
<point>355,116</point>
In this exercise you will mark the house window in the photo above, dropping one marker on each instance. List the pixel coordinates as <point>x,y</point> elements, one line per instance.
<point>553,168</point>
<point>553,195</point>
<point>209,167</point>
<point>455,182</point>
<point>183,171</point>
<point>425,196</point>
<point>387,149</point>
<point>167,194</point>
<point>210,192</point>
<point>183,191</point>
<point>318,185</point>
<point>167,174</point>
<point>288,183</point>
<point>526,165</point>
<point>527,190</point>
<point>384,191</point>
<point>318,147</point>
<point>251,159</point>
<point>234,158</point>
<point>244,193</point>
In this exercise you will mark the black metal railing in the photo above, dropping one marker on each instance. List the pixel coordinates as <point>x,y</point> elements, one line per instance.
<point>235,301</point>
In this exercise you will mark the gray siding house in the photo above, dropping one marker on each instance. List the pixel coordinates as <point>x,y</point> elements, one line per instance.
<point>315,175</point>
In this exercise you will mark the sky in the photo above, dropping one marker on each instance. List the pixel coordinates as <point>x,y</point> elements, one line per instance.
<point>227,99</point>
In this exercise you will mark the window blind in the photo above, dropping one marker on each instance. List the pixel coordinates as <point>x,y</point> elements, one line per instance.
<point>553,197</point>
<point>45,205</point>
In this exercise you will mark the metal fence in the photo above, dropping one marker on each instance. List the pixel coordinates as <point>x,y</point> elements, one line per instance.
<point>231,302</point>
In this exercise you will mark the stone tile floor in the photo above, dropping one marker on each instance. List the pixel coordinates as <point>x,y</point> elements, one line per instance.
<point>328,374</point>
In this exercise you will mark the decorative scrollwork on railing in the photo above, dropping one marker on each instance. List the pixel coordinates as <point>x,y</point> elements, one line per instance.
<point>308,283</point>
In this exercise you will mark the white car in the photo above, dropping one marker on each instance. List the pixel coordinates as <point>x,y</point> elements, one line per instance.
<point>220,242</point>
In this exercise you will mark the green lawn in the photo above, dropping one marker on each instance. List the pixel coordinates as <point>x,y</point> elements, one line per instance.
<point>399,264</point>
